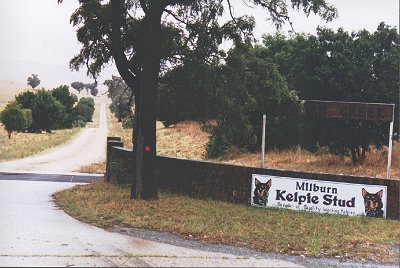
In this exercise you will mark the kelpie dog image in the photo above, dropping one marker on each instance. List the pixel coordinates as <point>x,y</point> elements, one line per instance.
<point>373,203</point>
<point>261,192</point>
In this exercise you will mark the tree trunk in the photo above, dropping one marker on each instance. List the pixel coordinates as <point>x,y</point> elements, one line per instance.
<point>358,155</point>
<point>144,82</point>
<point>146,186</point>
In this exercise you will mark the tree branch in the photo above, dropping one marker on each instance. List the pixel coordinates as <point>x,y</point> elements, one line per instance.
<point>117,48</point>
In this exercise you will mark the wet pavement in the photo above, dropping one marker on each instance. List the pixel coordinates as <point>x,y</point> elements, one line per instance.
<point>35,233</point>
<point>69,177</point>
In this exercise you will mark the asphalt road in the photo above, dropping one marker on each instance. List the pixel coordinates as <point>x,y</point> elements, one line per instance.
<point>73,178</point>
<point>33,232</point>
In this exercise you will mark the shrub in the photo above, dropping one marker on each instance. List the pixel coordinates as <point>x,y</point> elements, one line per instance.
<point>47,112</point>
<point>84,109</point>
<point>187,93</point>
<point>79,123</point>
<point>14,118</point>
<point>219,145</point>
<point>128,122</point>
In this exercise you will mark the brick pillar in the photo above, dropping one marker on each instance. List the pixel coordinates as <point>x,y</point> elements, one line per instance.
<point>111,142</point>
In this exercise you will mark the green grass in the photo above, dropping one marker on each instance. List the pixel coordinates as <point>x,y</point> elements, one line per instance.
<point>269,230</point>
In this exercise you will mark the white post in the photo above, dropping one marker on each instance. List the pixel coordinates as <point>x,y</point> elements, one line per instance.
<point>263,141</point>
<point>390,150</point>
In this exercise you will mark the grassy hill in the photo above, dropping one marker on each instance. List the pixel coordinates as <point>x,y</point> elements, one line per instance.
<point>8,90</point>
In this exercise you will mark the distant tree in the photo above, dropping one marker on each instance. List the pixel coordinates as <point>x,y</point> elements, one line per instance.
<point>47,112</point>
<point>121,97</point>
<point>78,86</point>
<point>33,81</point>
<point>84,109</point>
<point>94,91</point>
<point>92,87</point>
<point>68,100</point>
<point>15,118</point>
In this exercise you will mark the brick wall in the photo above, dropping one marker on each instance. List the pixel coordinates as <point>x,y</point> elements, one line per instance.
<point>225,182</point>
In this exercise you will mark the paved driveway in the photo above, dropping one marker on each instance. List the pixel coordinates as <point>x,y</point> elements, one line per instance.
<point>35,233</point>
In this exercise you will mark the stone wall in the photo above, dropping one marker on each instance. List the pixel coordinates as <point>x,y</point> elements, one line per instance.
<point>225,182</point>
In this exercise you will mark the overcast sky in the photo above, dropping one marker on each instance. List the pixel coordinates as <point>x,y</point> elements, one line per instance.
<point>37,32</point>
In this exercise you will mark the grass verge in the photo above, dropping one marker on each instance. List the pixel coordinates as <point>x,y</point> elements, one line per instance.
<point>25,144</point>
<point>270,230</point>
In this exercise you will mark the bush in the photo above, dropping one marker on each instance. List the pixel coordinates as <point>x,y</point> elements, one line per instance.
<point>187,93</point>
<point>79,123</point>
<point>219,145</point>
<point>47,112</point>
<point>26,99</point>
<point>84,109</point>
<point>128,122</point>
<point>14,118</point>
<point>68,100</point>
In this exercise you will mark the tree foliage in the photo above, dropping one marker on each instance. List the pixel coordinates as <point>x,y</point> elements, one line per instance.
<point>15,118</point>
<point>341,66</point>
<point>33,81</point>
<point>251,86</point>
<point>78,86</point>
<point>68,100</point>
<point>55,109</point>
<point>147,37</point>
<point>84,109</point>
<point>188,92</point>
<point>121,95</point>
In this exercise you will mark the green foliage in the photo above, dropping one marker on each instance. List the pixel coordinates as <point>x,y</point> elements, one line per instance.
<point>187,93</point>
<point>33,81</point>
<point>338,66</point>
<point>15,118</point>
<point>128,122</point>
<point>47,112</point>
<point>26,99</point>
<point>252,87</point>
<point>79,122</point>
<point>52,109</point>
<point>121,97</point>
<point>84,109</point>
<point>78,86</point>
<point>68,100</point>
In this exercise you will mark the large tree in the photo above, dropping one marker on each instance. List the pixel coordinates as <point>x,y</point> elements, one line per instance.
<point>146,37</point>
<point>341,66</point>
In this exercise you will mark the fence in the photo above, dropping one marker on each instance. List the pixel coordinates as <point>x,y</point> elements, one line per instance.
<point>225,182</point>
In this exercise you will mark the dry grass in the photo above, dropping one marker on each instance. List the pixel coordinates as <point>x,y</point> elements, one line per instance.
<point>185,139</point>
<point>25,144</point>
<point>269,230</point>
<point>296,159</point>
<point>188,140</point>
<point>115,129</point>
<point>95,168</point>
<point>8,90</point>
<point>96,118</point>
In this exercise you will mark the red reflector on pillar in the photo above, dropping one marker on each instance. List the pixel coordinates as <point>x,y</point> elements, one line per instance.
<point>147,148</point>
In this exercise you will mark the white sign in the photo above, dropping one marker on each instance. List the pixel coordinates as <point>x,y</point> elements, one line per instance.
<point>319,196</point>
